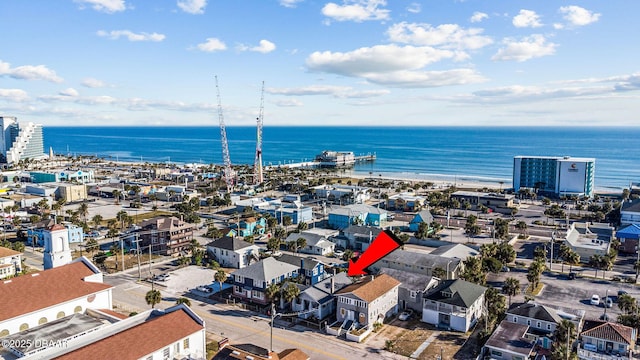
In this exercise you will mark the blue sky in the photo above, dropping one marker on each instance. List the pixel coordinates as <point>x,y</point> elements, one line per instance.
<point>358,62</point>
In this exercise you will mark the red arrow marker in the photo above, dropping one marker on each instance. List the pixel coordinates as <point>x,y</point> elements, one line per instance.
<point>382,245</point>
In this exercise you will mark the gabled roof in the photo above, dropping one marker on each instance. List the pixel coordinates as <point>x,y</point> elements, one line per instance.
<point>6,252</point>
<point>458,251</point>
<point>229,243</point>
<point>322,290</point>
<point>422,216</point>
<point>266,269</point>
<point>609,331</point>
<point>370,289</point>
<point>410,281</point>
<point>359,230</point>
<point>31,292</point>
<point>533,310</point>
<point>629,232</point>
<point>356,209</point>
<point>310,238</point>
<point>305,263</point>
<point>456,292</point>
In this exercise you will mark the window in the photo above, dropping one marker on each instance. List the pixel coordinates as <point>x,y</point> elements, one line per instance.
<point>548,326</point>
<point>239,279</point>
<point>166,353</point>
<point>185,343</point>
<point>342,312</point>
<point>413,294</point>
<point>176,348</point>
<point>515,319</point>
<point>496,353</point>
<point>528,322</point>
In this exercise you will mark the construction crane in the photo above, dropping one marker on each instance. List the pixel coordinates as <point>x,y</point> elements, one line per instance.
<point>257,165</point>
<point>228,173</point>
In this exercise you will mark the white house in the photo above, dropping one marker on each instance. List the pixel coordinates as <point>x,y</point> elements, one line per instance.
<point>10,262</point>
<point>454,304</point>
<point>37,298</point>
<point>233,252</point>
<point>369,301</point>
<point>174,333</point>
<point>316,244</point>
<point>589,239</point>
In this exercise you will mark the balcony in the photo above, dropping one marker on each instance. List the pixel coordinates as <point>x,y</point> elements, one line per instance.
<point>585,354</point>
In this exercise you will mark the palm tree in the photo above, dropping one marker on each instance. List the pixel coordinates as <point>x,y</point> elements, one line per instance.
<point>116,196</point>
<point>301,243</point>
<point>573,258</point>
<point>153,297</point>
<point>439,272</point>
<point>627,303</point>
<point>595,262</point>
<point>97,220</point>
<point>564,253</point>
<point>272,292</point>
<point>291,292</point>
<point>183,300</point>
<point>511,287</point>
<point>84,210</point>
<point>220,276</point>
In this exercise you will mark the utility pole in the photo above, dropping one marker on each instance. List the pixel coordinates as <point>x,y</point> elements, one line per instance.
<point>138,252</point>
<point>568,331</point>
<point>122,252</point>
<point>273,317</point>
<point>553,238</point>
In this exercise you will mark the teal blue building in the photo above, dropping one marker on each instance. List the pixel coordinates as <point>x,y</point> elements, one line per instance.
<point>555,175</point>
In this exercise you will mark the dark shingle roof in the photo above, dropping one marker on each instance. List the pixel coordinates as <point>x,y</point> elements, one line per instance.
<point>418,259</point>
<point>409,280</point>
<point>536,311</point>
<point>229,243</point>
<point>463,293</point>
<point>509,336</point>
<point>309,263</point>
<point>266,269</point>
<point>631,206</point>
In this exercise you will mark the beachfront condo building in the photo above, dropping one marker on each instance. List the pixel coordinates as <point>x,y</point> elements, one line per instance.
<point>20,141</point>
<point>554,175</point>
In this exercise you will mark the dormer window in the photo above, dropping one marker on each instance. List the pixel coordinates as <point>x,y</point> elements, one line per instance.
<point>446,293</point>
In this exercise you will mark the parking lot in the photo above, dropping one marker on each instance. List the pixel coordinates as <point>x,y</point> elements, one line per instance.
<point>185,279</point>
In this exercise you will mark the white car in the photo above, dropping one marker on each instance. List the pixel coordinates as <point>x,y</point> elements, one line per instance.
<point>405,315</point>
<point>595,300</point>
<point>608,302</point>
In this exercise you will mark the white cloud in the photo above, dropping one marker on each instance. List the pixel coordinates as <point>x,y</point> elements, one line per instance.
<point>93,83</point>
<point>335,91</point>
<point>478,17</point>
<point>414,8</point>
<point>356,10</point>
<point>289,3</point>
<point>289,103</point>
<point>448,36</point>
<point>29,72</point>
<point>558,26</point>
<point>107,6</point>
<point>192,6</point>
<point>392,65</point>
<point>18,95</point>
<point>578,16</point>
<point>211,45</point>
<point>69,92</point>
<point>527,18</point>
<point>131,36</point>
<point>265,46</point>
<point>528,48</point>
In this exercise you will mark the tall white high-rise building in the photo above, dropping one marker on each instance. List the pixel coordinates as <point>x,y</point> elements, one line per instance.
<point>558,175</point>
<point>20,141</point>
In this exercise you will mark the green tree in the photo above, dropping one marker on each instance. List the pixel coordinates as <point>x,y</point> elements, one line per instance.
<point>286,221</point>
<point>505,253</point>
<point>491,265</point>
<point>301,243</point>
<point>302,226</point>
<point>91,245</point>
<point>183,300</point>
<point>522,226</point>
<point>272,292</point>
<point>473,271</point>
<point>573,258</point>
<point>220,276</point>
<point>627,303</point>
<point>423,231</point>
<point>565,250</point>
<point>348,254</point>
<point>565,334</point>
<point>291,291</point>
<point>501,228</point>
<point>511,287</point>
<point>471,227</point>
<point>83,210</point>
<point>595,261</point>
<point>97,220</point>
<point>496,306</point>
<point>153,297</point>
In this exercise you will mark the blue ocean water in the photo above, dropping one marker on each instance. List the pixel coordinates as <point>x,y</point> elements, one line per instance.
<point>448,153</point>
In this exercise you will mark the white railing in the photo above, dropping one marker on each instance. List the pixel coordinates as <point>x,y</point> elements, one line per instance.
<point>585,354</point>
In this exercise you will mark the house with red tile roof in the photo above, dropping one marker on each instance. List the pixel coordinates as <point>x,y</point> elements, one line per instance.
<point>173,333</point>
<point>35,299</point>
<point>10,262</point>
<point>606,340</point>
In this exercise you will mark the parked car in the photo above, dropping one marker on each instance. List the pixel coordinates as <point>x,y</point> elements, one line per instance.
<point>572,275</point>
<point>608,302</point>
<point>204,289</point>
<point>622,292</point>
<point>405,315</point>
<point>595,299</point>
<point>162,277</point>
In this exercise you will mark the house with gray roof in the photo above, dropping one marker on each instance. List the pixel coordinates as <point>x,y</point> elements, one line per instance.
<point>233,252</point>
<point>319,300</point>
<point>589,239</point>
<point>412,288</point>
<point>457,251</point>
<point>508,342</point>
<point>419,262</point>
<point>251,282</point>
<point>357,237</point>
<point>316,244</point>
<point>542,320</point>
<point>423,216</point>
<point>605,340</point>
<point>630,212</point>
<point>454,304</point>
